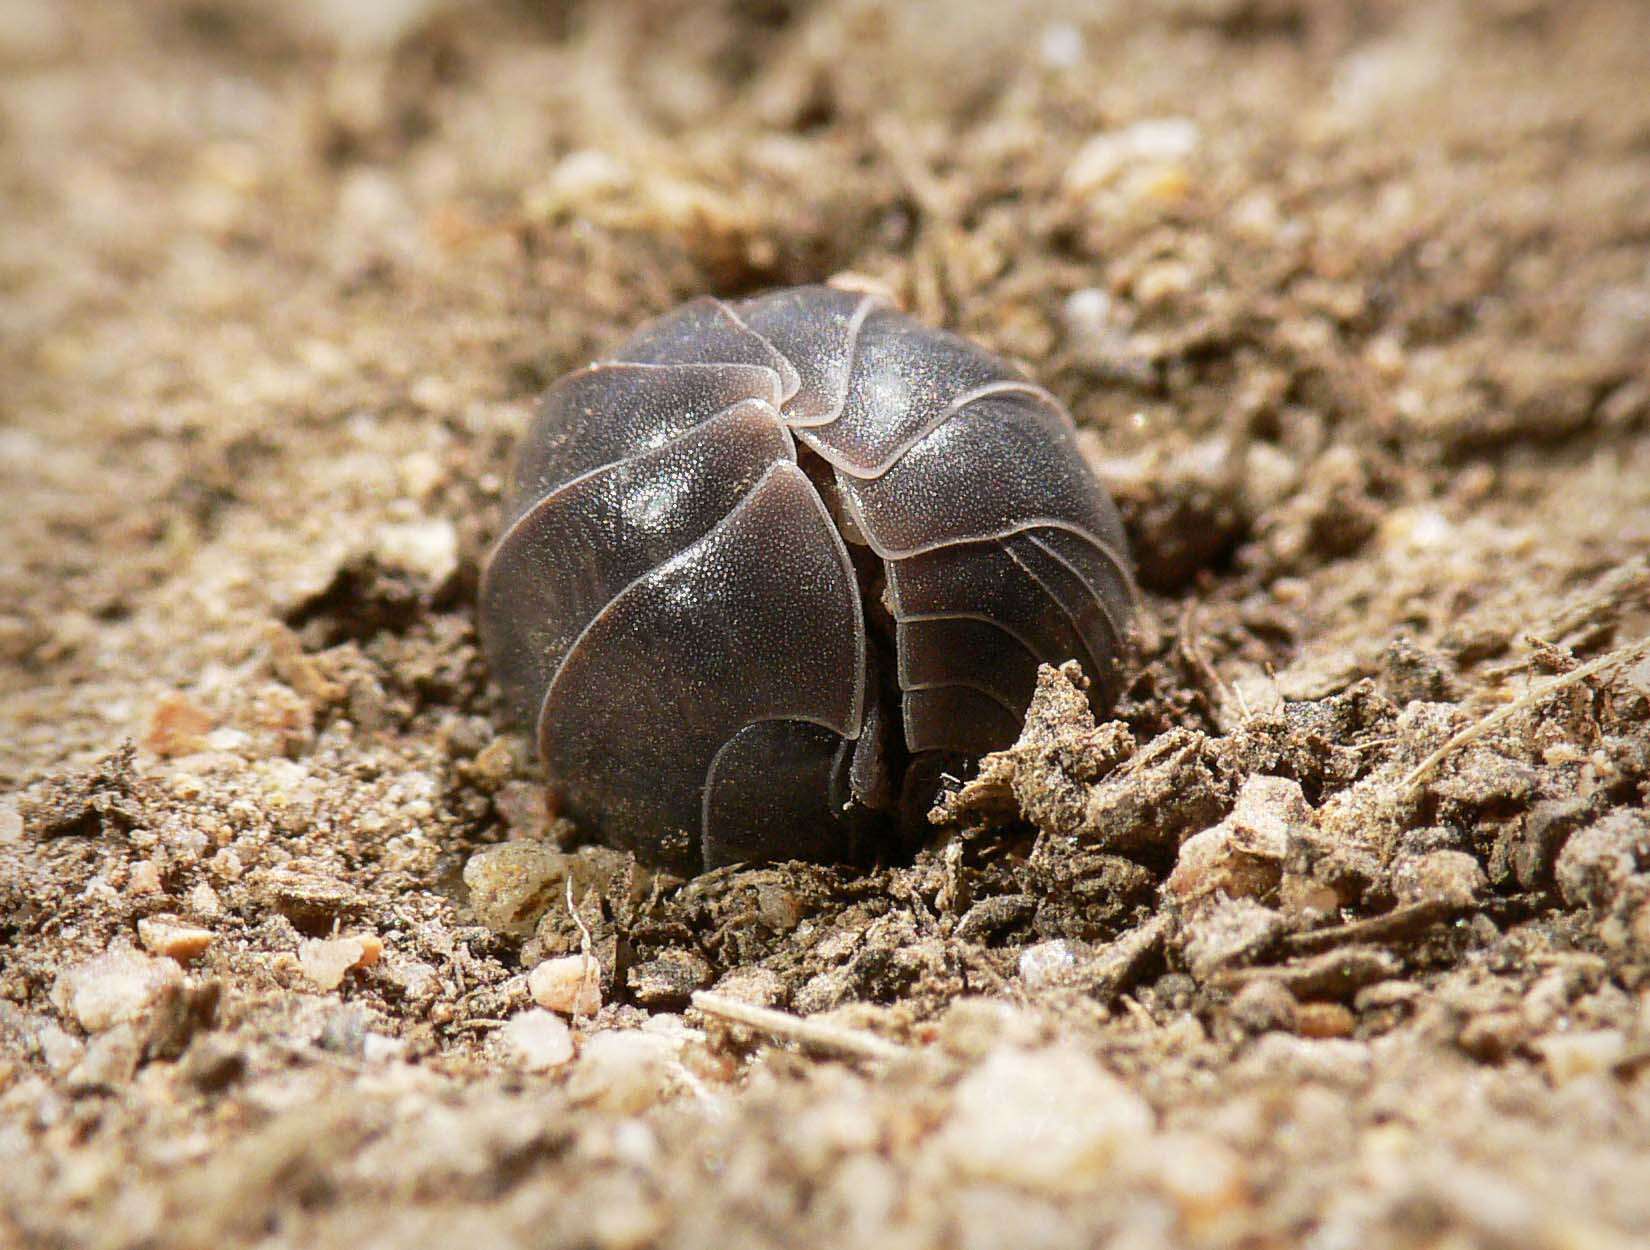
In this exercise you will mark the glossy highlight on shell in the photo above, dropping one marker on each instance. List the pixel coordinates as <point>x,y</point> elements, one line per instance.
<point>777,562</point>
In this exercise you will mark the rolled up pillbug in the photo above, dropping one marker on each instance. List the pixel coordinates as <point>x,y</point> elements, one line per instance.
<point>778,562</point>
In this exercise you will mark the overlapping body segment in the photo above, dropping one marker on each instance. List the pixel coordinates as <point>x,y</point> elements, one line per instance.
<point>763,532</point>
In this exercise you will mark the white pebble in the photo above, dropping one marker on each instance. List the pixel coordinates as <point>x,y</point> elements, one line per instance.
<point>1046,963</point>
<point>325,960</point>
<point>380,1048</point>
<point>60,1051</point>
<point>426,548</point>
<point>570,985</point>
<point>1050,1120</point>
<point>1061,46</point>
<point>624,1072</point>
<point>204,901</point>
<point>590,170</point>
<point>228,740</point>
<point>1089,312</point>
<point>537,1040</point>
<point>1571,1055</point>
<point>1161,140</point>
<point>114,988</point>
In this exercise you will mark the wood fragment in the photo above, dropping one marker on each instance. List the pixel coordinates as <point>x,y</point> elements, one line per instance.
<point>1116,967</point>
<point>814,1034</point>
<point>1530,698</point>
<point>1192,652</point>
<point>1400,924</point>
<point>1336,974</point>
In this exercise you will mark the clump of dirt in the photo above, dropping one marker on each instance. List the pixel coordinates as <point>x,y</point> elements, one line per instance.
<point>1338,933</point>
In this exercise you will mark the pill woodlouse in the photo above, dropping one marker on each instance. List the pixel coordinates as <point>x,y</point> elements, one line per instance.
<point>778,561</point>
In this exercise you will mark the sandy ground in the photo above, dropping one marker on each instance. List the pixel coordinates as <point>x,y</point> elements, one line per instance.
<point>1352,302</point>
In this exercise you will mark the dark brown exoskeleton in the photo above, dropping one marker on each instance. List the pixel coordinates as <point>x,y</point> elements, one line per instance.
<point>777,562</point>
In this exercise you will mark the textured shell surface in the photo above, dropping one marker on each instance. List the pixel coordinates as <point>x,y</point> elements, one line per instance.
<point>777,562</point>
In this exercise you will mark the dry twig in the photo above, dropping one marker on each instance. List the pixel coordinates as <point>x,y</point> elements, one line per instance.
<point>1534,695</point>
<point>816,1034</point>
<point>1405,923</point>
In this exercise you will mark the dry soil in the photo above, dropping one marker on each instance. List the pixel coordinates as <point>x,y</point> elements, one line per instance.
<point>1352,303</point>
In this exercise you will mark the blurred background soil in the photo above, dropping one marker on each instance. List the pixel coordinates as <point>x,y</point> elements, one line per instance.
<point>1352,303</point>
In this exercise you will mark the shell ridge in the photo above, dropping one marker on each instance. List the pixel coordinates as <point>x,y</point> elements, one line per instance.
<point>706,470</point>
<point>903,669</point>
<point>985,391</point>
<point>857,515</point>
<point>856,719</point>
<point>976,687</point>
<point>972,616</point>
<point>545,499</point>
<point>607,364</point>
<point>850,355</point>
<point>1059,602</point>
<point>563,429</point>
<point>663,566</point>
<point>658,341</point>
<point>945,729</point>
<point>1115,626</point>
<point>790,381</point>
<point>709,788</point>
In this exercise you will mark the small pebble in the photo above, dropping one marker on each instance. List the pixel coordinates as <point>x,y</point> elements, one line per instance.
<point>59,1049</point>
<point>378,1048</point>
<point>1242,856</point>
<point>1061,46</point>
<point>1225,932</point>
<point>204,901</point>
<point>177,726</point>
<point>1201,1175</point>
<point>324,961</point>
<point>570,984</point>
<point>426,548</point>
<point>537,1040</point>
<point>579,177</point>
<point>1051,1120</point>
<point>1324,1020</point>
<point>1262,1006</point>
<point>114,988</point>
<point>512,885</point>
<point>974,1027</point>
<point>1047,963</point>
<point>175,941</point>
<point>494,763</point>
<point>1598,860</point>
<point>1571,1055</point>
<point>1492,1036</point>
<point>624,1072</point>
<point>144,878</point>
<point>1447,876</point>
<point>760,986</point>
<point>1156,141</point>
